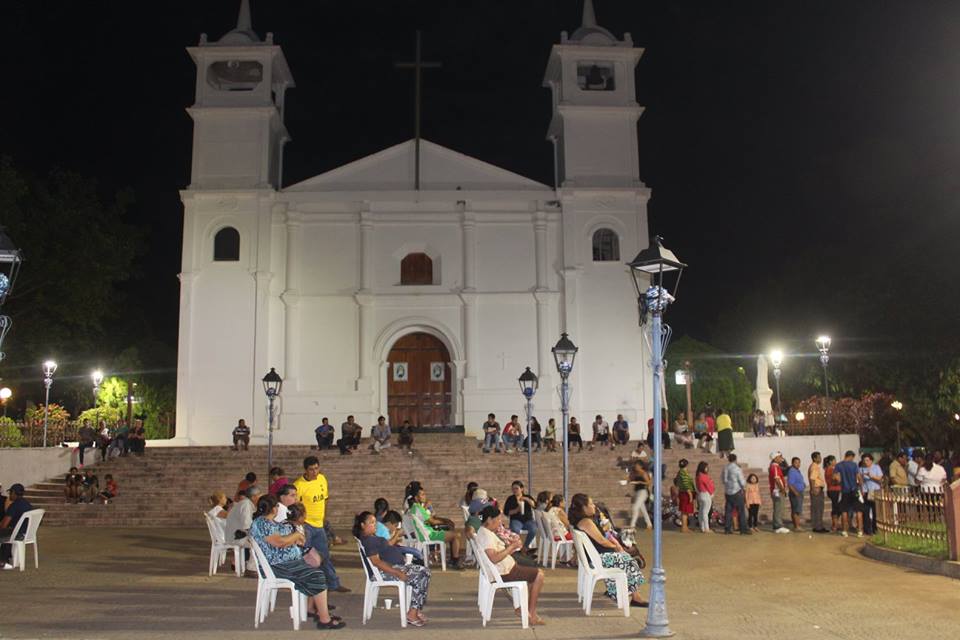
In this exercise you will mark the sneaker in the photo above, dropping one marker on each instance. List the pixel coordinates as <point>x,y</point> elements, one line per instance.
<point>782,530</point>
<point>7,567</point>
<point>845,534</point>
<point>859,534</point>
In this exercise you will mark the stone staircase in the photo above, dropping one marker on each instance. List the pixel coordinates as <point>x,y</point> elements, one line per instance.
<point>168,486</point>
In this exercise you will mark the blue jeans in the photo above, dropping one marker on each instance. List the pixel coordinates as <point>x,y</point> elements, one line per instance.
<point>529,526</point>
<point>492,441</point>
<point>317,539</point>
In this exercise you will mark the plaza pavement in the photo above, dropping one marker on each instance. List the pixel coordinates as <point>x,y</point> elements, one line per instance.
<point>126,583</point>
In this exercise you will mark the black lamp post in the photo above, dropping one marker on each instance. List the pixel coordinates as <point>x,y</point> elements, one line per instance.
<point>528,387</point>
<point>272,383</point>
<point>564,353</point>
<point>648,270</point>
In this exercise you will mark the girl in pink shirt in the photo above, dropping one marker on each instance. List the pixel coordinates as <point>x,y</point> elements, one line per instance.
<point>752,496</point>
<point>705,491</point>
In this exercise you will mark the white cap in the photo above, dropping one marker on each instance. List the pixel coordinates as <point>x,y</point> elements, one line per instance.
<point>775,454</point>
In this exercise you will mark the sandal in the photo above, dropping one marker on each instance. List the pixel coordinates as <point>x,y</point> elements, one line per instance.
<point>335,623</point>
<point>537,622</point>
<point>416,622</point>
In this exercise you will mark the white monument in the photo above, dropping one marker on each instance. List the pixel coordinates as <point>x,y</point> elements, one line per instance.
<point>763,393</point>
<point>372,297</point>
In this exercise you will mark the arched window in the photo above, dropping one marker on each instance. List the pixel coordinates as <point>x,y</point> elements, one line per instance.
<point>226,245</point>
<point>416,268</point>
<point>606,246</point>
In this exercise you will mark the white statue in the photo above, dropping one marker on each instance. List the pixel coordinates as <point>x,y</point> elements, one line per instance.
<point>763,393</point>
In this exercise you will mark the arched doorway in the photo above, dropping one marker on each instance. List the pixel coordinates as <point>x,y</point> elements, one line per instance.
<point>418,382</point>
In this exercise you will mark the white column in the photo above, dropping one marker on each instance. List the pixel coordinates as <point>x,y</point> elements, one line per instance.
<point>469,225</point>
<point>291,300</point>
<point>185,388</point>
<point>546,301</point>
<point>540,244</point>
<point>471,338</point>
<point>364,301</point>
<point>366,251</point>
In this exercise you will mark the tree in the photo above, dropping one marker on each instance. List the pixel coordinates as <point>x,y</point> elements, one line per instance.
<point>718,378</point>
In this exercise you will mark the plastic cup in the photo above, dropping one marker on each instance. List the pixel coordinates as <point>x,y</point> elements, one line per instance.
<point>407,558</point>
<point>623,482</point>
<point>387,603</point>
<point>522,506</point>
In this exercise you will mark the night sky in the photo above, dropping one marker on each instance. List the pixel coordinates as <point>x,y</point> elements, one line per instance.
<point>802,156</point>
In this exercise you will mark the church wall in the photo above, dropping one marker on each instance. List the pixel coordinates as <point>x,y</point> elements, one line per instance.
<point>440,240</point>
<point>506,259</point>
<point>328,347</point>
<point>598,147</point>
<point>331,259</point>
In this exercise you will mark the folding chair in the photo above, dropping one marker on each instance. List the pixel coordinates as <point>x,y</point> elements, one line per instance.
<point>30,520</point>
<point>491,582</point>
<point>375,581</point>
<point>267,586</point>
<point>219,548</point>
<point>591,571</point>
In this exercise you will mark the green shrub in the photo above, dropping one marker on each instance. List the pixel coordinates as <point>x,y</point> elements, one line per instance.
<point>10,435</point>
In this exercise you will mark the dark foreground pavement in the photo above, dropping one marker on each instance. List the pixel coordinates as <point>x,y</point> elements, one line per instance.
<point>126,583</point>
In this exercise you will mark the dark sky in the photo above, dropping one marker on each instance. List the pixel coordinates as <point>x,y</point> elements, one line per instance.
<point>782,140</point>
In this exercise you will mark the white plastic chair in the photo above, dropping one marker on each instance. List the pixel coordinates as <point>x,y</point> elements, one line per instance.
<point>591,571</point>
<point>491,582</point>
<point>553,547</point>
<point>267,586</point>
<point>372,589</point>
<point>423,538</point>
<point>466,513</point>
<point>219,548</point>
<point>32,519</point>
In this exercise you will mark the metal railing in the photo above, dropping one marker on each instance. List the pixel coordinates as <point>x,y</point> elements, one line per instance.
<point>29,433</point>
<point>912,513</point>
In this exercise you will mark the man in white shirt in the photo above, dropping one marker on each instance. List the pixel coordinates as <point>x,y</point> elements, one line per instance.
<point>239,520</point>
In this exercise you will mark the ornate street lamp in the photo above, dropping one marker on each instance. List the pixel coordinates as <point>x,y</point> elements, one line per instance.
<point>49,368</point>
<point>5,394</point>
<point>528,386</point>
<point>776,359</point>
<point>648,270</point>
<point>896,404</point>
<point>272,383</point>
<point>564,353</point>
<point>823,346</point>
<point>10,259</point>
<point>97,377</point>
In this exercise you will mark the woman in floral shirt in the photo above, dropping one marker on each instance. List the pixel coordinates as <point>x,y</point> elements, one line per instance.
<point>282,546</point>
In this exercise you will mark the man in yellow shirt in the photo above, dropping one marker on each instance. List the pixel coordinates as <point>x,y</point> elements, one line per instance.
<point>313,493</point>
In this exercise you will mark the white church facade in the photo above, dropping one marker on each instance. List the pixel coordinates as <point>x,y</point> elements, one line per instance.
<point>372,297</point>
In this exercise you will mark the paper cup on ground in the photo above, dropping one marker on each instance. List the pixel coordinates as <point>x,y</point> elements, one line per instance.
<point>387,603</point>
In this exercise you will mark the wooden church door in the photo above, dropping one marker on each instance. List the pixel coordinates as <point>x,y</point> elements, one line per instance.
<point>418,382</point>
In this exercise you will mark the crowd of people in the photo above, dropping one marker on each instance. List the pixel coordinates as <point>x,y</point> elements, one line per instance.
<point>111,442</point>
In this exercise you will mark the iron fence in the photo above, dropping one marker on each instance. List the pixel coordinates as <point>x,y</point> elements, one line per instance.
<point>912,513</point>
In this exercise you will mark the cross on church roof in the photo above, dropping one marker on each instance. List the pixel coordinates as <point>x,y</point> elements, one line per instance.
<point>417,65</point>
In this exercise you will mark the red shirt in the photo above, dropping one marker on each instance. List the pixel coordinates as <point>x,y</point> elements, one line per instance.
<point>704,483</point>
<point>711,424</point>
<point>775,472</point>
<point>828,476</point>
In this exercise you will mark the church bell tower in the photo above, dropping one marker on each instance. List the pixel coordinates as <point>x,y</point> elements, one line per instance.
<point>239,134</point>
<point>595,110</point>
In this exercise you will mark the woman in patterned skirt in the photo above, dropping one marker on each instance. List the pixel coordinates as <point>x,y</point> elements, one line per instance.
<point>612,554</point>
<point>390,561</point>
<point>282,546</point>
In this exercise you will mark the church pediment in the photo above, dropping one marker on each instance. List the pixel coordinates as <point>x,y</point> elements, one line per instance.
<point>441,169</point>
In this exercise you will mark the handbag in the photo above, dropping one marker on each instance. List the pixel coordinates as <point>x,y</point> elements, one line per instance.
<point>312,558</point>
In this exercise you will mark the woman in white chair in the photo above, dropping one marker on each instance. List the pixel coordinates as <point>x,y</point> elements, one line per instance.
<point>389,560</point>
<point>508,568</point>
<point>282,546</point>
<point>612,554</point>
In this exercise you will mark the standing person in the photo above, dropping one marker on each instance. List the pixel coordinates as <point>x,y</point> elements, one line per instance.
<point>848,474</point>
<point>818,488</point>
<point>759,424</point>
<point>899,481</point>
<point>14,507</point>
<point>724,433</point>
<point>705,490</point>
<point>778,488</point>
<point>734,492</point>
<point>931,476</point>
<point>640,480</point>
<point>324,434</point>
<point>687,494</point>
<point>913,467</point>
<point>519,508</point>
<point>491,435</point>
<point>241,435</point>
<point>573,434</point>
<point>833,492</point>
<point>796,485</point>
<point>87,437</point>
<point>312,491</point>
<point>621,431</point>
<point>381,435</point>
<point>752,495</point>
<point>872,476</point>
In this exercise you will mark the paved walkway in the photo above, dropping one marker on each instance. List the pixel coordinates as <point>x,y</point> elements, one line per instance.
<point>125,583</point>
